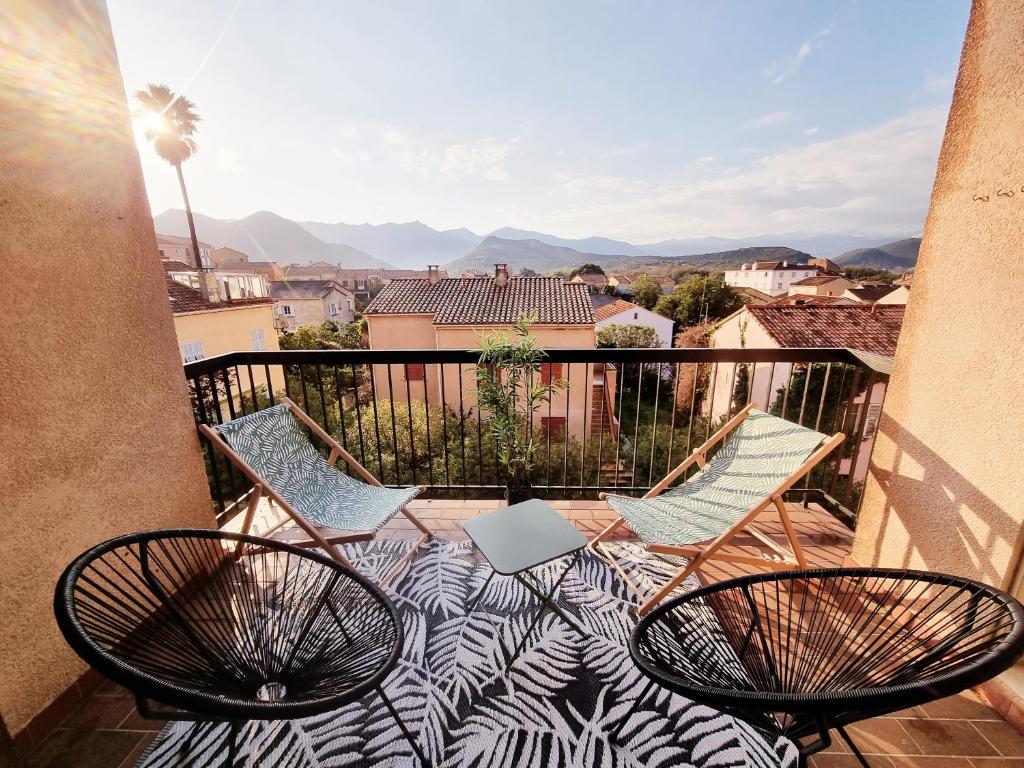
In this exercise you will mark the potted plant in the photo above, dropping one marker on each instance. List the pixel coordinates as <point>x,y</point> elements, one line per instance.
<point>508,390</point>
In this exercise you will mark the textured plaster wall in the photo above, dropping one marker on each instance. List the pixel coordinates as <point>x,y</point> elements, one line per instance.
<point>944,491</point>
<point>97,435</point>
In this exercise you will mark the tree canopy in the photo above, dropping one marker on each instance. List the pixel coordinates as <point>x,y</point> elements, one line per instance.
<point>587,269</point>
<point>326,336</point>
<point>170,122</point>
<point>627,337</point>
<point>698,299</point>
<point>646,291</point>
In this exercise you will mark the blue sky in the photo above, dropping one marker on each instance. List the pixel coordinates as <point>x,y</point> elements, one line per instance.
<point>639,120</point>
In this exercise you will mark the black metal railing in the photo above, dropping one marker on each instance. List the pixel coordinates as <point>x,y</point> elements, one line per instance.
<point>627,417</point>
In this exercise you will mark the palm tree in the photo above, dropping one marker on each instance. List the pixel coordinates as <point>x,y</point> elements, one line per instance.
<point>170,124</point>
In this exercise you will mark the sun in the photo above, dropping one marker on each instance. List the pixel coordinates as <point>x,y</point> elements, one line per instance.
<point>154,122</point>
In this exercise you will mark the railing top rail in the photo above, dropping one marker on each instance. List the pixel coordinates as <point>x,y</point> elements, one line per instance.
<point>470,356</point>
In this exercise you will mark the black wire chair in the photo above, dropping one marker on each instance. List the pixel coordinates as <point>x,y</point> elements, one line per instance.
<point>229,627</point>
<point>801,652</point>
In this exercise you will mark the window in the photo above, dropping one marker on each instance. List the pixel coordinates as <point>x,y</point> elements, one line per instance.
<point>204,257</point>
<point>553,426</point>
<point>550,372</point>
<point>636,315</point>
<point>415,371</point>
<point>192,351</point>
<point>286,309</point>
<point>161,252</point>
<point>334,309</point>
<point>256,336</point>
<point>351,305</point>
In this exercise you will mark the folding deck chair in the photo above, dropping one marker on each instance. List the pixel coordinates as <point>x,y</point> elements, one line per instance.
<point>272,450</point>
<point>762,458</point>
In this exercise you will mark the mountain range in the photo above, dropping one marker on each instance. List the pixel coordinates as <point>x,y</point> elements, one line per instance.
<point>413,245</point>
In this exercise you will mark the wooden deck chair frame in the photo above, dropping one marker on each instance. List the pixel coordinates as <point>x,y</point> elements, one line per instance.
<point>700,553</point>
<point>317,537</point>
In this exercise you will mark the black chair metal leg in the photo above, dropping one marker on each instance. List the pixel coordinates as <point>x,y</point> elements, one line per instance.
<point>405,731</point>
<point>613,737</point>
<point>853,747</point>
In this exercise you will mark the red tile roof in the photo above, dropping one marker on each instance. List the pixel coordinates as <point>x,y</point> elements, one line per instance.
<point>872,329</point>
<point>478,301</point>
<point>304,289</point>
<point>613,308</point>
<point>871,293</point>
<point>819,280</point>
<point>804,298</point>
<point>590,278</point>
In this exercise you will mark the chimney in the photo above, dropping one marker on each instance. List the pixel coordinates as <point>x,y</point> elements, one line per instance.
<point>745,267</point>
<point>209,286</point>
<point>785,264</point>
<point>501,275</point>
<point>433,274</point>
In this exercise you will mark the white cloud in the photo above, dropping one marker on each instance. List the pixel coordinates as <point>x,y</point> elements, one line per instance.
<point>229,161</point>
<point>705,160</point>
<point>770,119</point>
<point>811,131</point>
<point>874,180</point>
<point>485,157</point>
<point>790,65</point>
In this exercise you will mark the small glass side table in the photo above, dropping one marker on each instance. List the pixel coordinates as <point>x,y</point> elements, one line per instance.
<point>521,537</point>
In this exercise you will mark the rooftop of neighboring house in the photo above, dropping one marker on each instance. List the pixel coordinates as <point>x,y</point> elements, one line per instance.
<point>819,280</point>
<point>873,329</point>
<point>245,266</point>
<point>402,274</point>
<point>752,295</point>
<point>801,299</point>
<point>173,265</point>
<point>314,267</point>
<point>304,289</point>
<point>870,293</point>
<point>184,299</point>
<point>609,306</point>
<point>621,279</point>
<point>175,240</point>
<point>485,301</point>
<point>591,278</point>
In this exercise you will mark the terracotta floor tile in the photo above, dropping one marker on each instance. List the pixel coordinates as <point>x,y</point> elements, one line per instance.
<point>963,706</point>
<point>100,712</point>
<point>835,760</point>
<point>90,749</point>
<point>930,761</point>
<point>997,762</point>
<point>140,748</point>
<point>948,737</point>
<point>883,736</point>
<point>1003,736</point>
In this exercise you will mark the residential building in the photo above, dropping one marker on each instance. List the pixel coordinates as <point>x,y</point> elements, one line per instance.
<point>452,313</point>
<point>230,260</point>
<point>595,281</point>
<point>311,302</point>
<point>314,270</point>
<point>623,284</point>
<point>869,294</point>
<point>609,310</point>
<point>826,266</point>
<point>798,299</point>
<point>176,248</point>
<point>771,277</point>
<point>899,295</point>
<point>873,330</point>
<point>668,285</point>
<point>228,284</point>
<point>821,285</point>
<point>206,328</point>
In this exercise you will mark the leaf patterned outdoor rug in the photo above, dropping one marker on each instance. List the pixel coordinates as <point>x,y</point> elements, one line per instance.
<point>555,707</point>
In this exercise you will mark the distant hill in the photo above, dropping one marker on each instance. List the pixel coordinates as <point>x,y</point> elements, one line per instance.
<point>265,236</point>
<point>737,256</point>
<point>897,256</point>
<point>598,245</point>
<point>821,246</point>
<point>532,254</point>
<point>412,245</point>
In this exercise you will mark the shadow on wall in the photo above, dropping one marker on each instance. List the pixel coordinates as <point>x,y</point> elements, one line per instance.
<point>939,519</point>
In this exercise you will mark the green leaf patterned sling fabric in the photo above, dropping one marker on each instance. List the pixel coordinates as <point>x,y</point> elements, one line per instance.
<point>760,454</point>
<point>274,445</point>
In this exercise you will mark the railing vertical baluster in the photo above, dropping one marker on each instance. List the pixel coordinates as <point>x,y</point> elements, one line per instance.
<point>426,408</point>
<point>770,392</point>
<point>693,403</point>
<point>751,369</point>
<point>359,415</point>
<point>636,422</point>
<point>565,437</point>
<point>305,393</point>
<point>227,392</point>
<point>547,460</point>
<point>620,380</point>
<point>730,403</point>
<point>711,405</point>
<point>821,468</point>
<point>587,390</point>
<point>408,406</point>
<point>394,428</point>
<point>803,399</point>
<point>850,408</point>
<point>860,422</point>
<point>462,426</point>
<point>604,420</point>
<point>211,452</point>
<point>444,427</point>
<point>654,428</point>
<point>241,392</point>
<point>252,389</point>
<point>479,445</point>
<point>785,392</point>
<point>324,420</point>
<point>372,373</point>
<point>270,383</point>
<point>672,429</point>
<point>342,426</point>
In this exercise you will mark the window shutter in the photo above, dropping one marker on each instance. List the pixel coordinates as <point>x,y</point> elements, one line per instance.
<point>415,371</point>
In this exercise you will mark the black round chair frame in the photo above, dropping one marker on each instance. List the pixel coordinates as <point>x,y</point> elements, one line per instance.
<point>814,715</point>
<point>202,706</point>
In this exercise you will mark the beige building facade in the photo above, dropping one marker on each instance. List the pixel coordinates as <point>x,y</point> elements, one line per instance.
<point>311,302</point>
